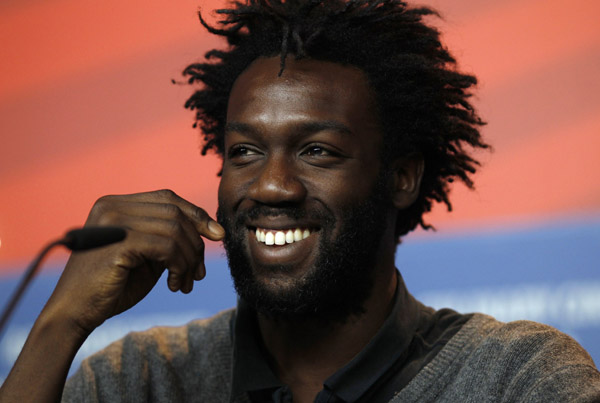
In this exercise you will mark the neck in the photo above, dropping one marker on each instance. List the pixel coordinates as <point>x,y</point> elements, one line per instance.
<point>305,353</point>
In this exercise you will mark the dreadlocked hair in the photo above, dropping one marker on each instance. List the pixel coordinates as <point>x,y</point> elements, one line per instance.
<point>422,100</point>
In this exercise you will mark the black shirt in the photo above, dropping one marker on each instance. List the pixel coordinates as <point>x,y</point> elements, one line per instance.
<point>409,339</point>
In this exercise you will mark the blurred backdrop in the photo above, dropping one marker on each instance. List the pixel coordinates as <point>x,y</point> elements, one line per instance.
<point>87,108</point>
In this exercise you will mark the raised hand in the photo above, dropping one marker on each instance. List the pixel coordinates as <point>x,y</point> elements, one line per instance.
<point>164,231</point>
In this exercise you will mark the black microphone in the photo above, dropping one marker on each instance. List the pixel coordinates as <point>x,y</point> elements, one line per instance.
<point>92,237</point>
<point>79,239</point>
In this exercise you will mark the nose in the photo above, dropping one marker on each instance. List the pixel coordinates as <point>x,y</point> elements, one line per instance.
<point>277,183</point>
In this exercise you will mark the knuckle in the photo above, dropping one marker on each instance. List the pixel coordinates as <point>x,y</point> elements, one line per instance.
<point>102,203</point>
<point>173,229</point>
<point>170,247</point>
<point>171,211</point>
<point>199,214</point>
<point>108,217</point>
<point>124,260</point>
<point>166,193</point>
<point>102,212</point>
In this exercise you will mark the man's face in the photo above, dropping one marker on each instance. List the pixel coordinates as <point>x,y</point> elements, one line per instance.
<point>303,198</point>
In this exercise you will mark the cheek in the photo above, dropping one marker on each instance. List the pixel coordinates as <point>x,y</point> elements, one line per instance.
<point>344,187</point>
<point>228,192</point>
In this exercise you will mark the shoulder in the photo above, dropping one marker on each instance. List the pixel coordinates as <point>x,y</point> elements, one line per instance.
<point>519,361</point>
<point>538,362</point>
<point>172,341</point>
<point>528,361</point>
<point>187,359</point>
<point>523,341</point>
<point>173,344</point>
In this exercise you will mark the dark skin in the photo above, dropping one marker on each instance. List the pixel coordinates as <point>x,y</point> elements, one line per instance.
<point>309,136</point>
<point>163,230</point>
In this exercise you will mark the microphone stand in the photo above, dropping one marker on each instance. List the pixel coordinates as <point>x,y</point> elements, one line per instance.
<point>25,280</point>
<point>75,240</point>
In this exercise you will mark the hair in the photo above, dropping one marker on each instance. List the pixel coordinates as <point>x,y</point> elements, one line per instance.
<point>422,99</point>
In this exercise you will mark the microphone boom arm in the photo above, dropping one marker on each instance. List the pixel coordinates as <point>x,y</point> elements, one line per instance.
<point>75,240</point>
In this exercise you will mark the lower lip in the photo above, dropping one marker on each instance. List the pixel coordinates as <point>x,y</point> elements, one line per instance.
<point>290,253</point>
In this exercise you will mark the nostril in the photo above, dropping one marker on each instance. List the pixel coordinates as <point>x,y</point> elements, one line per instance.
<point>277,185</point>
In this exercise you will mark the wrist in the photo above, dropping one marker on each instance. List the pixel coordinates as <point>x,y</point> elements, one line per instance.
<point>54,341</point>
<point>53,323</point>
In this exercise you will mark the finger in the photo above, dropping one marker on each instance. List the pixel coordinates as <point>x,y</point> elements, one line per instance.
<point>168,221</point>
<point>174,237</point>
<point>155,250</point>
<point>139,216</point>
<point>190,242</point>
<point>174,281</point>
<point>158,213</point>
<point>202,221</point>
<point>188,285</point>
<point>207,226</point>
<point>200,271</point>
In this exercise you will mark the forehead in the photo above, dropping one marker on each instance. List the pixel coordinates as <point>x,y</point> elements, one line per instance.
<point>306,90</point>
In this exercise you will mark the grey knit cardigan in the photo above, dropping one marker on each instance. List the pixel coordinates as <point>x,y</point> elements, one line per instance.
<point>486,361</point>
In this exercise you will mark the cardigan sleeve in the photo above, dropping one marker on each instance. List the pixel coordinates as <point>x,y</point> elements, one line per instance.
<point>162,364</point>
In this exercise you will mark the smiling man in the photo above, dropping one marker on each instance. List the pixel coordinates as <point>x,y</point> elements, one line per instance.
<point>339,124</point>
<point>302,191</point>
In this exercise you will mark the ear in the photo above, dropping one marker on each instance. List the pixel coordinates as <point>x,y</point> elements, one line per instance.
<point>408,172</point>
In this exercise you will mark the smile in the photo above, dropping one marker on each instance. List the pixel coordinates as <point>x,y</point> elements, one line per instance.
<point>281,237</point>
<point>289,243</point>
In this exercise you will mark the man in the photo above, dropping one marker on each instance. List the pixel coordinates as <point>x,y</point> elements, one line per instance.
<point>339,124</point>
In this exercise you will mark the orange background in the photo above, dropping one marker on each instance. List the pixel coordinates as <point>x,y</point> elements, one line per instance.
<point>87,108</point>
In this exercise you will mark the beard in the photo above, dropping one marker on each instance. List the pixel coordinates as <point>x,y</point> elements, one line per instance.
<point>342,275</point>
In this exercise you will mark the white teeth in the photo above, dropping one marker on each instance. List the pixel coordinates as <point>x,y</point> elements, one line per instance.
<point>271,237</point>
<point>289,236</point>
<point>279,238</point>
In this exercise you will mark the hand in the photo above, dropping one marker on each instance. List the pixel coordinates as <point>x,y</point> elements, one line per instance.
<point>163,232</point>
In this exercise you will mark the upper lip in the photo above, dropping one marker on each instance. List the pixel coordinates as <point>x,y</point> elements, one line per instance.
<point>279,224</point>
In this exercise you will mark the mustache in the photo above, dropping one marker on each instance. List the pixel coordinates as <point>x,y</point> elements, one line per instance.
<point>267,211</point>
<point>293,212</point>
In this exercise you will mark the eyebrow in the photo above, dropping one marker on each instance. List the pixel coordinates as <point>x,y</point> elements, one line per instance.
<point>238,127</point>
<point>313,127</point>
<point>307,127</point>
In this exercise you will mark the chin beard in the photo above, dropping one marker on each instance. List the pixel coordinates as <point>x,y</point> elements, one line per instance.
<point>342,275</point>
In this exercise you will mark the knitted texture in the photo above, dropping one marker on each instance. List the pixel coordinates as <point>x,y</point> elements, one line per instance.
<point>486,361</point>
<point>491,361</point>
<point>164,364</point>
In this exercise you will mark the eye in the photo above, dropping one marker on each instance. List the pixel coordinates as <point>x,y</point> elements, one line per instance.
<point>317,151</point>
<point>322,155</point>
<point>239,150</point>
<point>241,153</point>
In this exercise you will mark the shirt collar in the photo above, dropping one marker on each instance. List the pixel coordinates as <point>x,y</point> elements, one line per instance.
<point>385,348</point>
<point>252,373</point>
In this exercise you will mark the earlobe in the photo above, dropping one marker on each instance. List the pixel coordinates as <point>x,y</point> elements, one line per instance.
<point>408,172</point>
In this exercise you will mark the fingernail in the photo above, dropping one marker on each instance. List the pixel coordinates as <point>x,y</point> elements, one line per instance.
<point>216,228</point>
<point>173,286</point>
<point>187,288</point>
<point>200,272</point>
